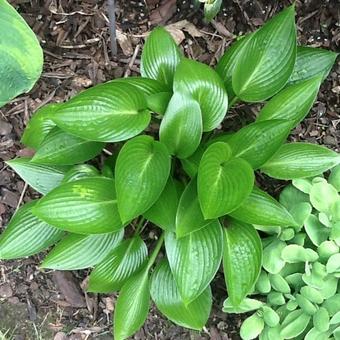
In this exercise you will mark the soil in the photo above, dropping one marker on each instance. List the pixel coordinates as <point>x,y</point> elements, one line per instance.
<point>75,38</point>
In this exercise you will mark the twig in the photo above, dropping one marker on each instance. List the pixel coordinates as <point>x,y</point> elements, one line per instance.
<point>21,197</point>
<point>112,18</point>
<point>132,61</point>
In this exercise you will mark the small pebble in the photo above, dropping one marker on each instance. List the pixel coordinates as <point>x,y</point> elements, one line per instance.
<point>6,291</point>
<point>5,128</point>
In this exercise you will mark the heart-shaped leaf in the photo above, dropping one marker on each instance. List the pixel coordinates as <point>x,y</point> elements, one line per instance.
<point>203,84</point>
<point>160,57</point>
<point>190,164</point>
<point>86,206</point>
<point>80,171</point>
<point>81,251</point>
<point>110,112</point>
<point>194,259</point>
<point>242,259</point>
<point>165,294</point>
<point>267,59</point>
<point>26,235</point>
<point>146,85</point>
<point>299,160</point>
<point>224,182</point>
<point>142,170</point>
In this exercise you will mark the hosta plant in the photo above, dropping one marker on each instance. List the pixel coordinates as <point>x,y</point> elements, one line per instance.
<point>301,267</point>
<point>195,185</point>
<point>210,9</point>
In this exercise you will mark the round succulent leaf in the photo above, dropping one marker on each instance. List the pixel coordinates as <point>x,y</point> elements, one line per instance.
<point>251,327</point>
<point>293,253</point>
<point>323,196</point>
<point>332,304</point>
<point>315,230</point>
<point>263,285</point>
<point>334,178</point>
<point>276,298</point>
<point>303,184</point>
<point>314,334</point>
<point>246,305</point>
<point>326,249</point>
<point>270,317</point>
<point>279,283</point>
<point>272,261</point>
<point>294,324</point>
<point>333,264</point>
<point>300,212</point>
<point>312,294</point>
<point>290,196</point>
<point>335,319</point>
<point>307,306</point>
<point>321,320</point>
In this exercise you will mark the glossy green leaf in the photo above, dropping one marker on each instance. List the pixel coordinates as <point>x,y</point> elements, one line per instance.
<point>224,182</point>
<point>80,171</point>
<point>251,327</point>
<point>299,160</point>
<point>195,259</point>
<point>211,8</point>
<point>26,235</point>
<point>272,261</point>
<point>86,206</point>
<point>294,324</point>
<point>181,128</point>
<point>165,294</point>
<point>159,102</point>
<point>122,262</point>
<point>110,112</point>
<point>81,251</point>
<point>203,84</point>
<point>334,178</point>
<point>146,85</point>
<point>267,59</point>
<point>160,57</point>
<point>20,53</point>
<point>323,196</point>
<point>247,305</point>
<point>142,170</point>
<point>42,178</point>
<point>242,259</point>
<point>190,165</point>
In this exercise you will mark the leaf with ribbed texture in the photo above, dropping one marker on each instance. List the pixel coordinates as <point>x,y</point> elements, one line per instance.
<point>85,206</point>
<point>267,59</point>
<point>61,148</point>
<point>142,170</point>
<point>190,164</point>
<point>224,182</point>
<point>211,8</point>
<point>311,62</point>
<point>81,251</point>
<point>165,294</point>
<point>203,84</point>
<point>299,160</point>
<point>292,103</point>
<point>160,57</point>
<point>122,262</point>
<point>132,306</point>
<point>242,259</point>
<point>181,128</point>
<point>110,112</point>
<point>261,208</point>
<point>80,171</point>
<point>257,142</point>
<point>42,178</point>
<point>159,102</point>
<point>26,235</point>
<point>195,259</point>
<point>146,85</point>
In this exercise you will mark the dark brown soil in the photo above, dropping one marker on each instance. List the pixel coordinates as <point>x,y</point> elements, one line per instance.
<point>75,38</point>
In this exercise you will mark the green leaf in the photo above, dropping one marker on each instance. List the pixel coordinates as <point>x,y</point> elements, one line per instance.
<point>270,317</point>
<point>81,251</point>
<point>303,184</point>
<point>190,165</point>
<point>80,171</point>
<point>61,148</point>
<point>26,235</point>
<point>312,294</point>
<point>20,53</point>
<point>272,261</point>
<point>315,230</point>
<point>181,127</point>
<point>295,253</point>
<point>294,324</point>
<point>203,84</point>
<point>132,306</point>
<point>290,197</point>
<point>323,196</point>
<point>211,8</point>
<point>242,259</point>
<point>299,160</point>
<point>123,261</point>
<point>158,102</point>
<point>267,59</point>
<point>276,298</point>
<point>251,327</point>
<point>263,285</point>
<point>146,85</point>
<point>86,206</point>
<point>110,112</point>
<point>247,305</point>
<point>42,178</point>
<point>165,294</point>
<point>261,208</point>
<point>321,320</point>
<point>279,283</point>
<point>160,57</point>
<point>194,259</point>
<point>257,142</point>
<point>224,182</point>
<point>334,178</point>
<point>142,170</point>
<point>333,264</point>
<point>311,62</point>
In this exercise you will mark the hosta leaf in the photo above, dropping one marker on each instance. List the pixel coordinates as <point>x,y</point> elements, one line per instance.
<point>294,324</point>
<point>122,262</point>
<point>211,8</point>
<point>242,259</point>
<point>20,53</point>
<point>142,170</point>
<point>42,178</point>
<point>165,294</point>
<point>159,102</point>
<point>194,259</point>
<point>146,85</point>
<point>110,112</point>
<point>251,327</point>
<point>61,148</point>
<point>132,306</point>
<point>190,164</point>
<point>299,160</point>
<point>267,59</point>
<point>86,206</point>
<point>181,127</point>
<point>311,62</point>
<point>261,208</point>
<point>257,142</point>
<point>224,182</point>
<point>81,251</point>
<point>80,171</point>
<point>26,235</point>
<point>160,57</point>
<point>198,80</point>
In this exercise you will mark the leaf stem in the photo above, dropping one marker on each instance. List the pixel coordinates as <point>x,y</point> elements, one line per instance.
<point>140,225</point>
<point>156,251</point>
<point>233,101</point>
